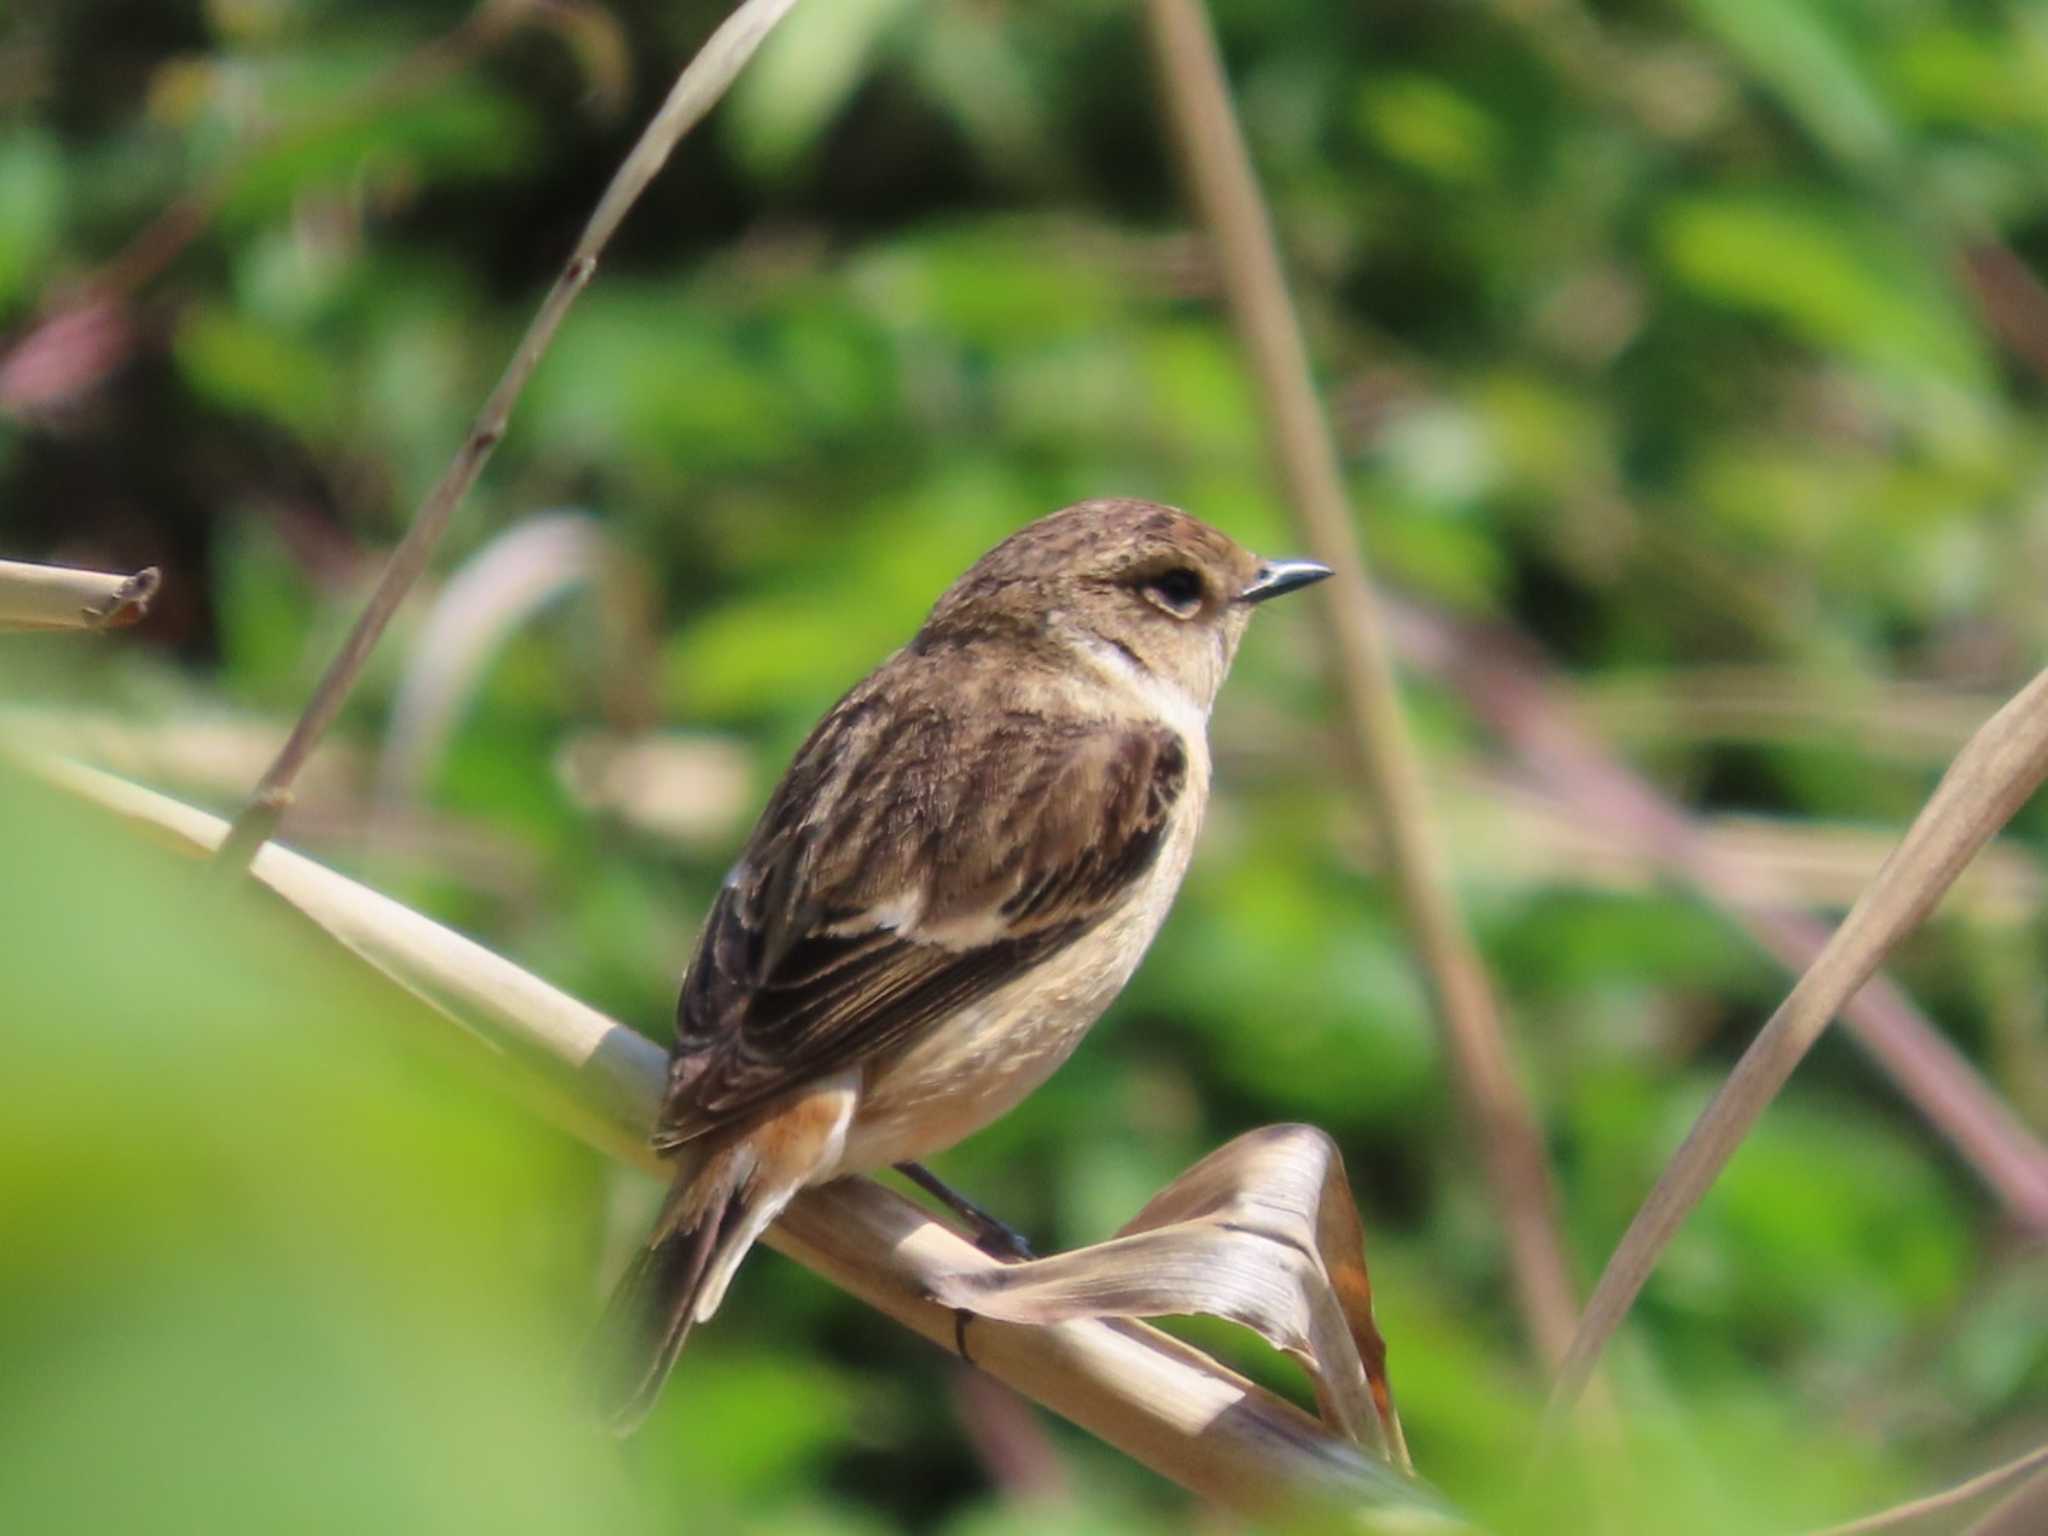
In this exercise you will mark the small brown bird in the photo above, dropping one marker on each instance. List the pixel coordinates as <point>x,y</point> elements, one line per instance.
<point>956,875</point>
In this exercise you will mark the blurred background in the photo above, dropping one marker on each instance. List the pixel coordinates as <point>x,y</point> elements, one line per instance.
<point>1687,362</point>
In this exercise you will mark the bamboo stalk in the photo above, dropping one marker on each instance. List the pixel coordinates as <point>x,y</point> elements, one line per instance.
<point>1383,757</point>
<point>58,597</point>
<point>1158,1400</point>
<point>703,81</point>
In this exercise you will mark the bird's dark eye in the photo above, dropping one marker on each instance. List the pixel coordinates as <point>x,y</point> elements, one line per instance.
<point>1178,591</point>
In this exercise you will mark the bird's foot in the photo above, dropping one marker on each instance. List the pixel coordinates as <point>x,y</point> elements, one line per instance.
<point>992,1235</point>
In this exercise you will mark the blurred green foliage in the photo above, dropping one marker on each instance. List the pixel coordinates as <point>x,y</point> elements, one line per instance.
<point>1675,337</point>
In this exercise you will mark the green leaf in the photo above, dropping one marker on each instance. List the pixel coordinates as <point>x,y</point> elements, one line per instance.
<point>1949,73</point>
<point>31,210</point>
<point>462,131</point>
<point>803,76</point>
<point>1838,279</point>
<point>1807,51</point>
<point>1430,126</point>
<point>284,1269</point>
<point>268,371</point>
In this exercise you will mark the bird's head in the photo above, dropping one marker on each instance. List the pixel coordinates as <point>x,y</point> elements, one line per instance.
<point>1134,586</point>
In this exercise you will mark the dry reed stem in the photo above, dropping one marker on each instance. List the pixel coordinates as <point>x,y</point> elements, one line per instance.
<point>1949,1498</point>
<point>1994,774</point>
<point>1383,755</point>
<point>703,81</point>
<point>2024,1512</point>
<point>58,597</point>
<point>1514,693</point>
<point>1156,1399</point>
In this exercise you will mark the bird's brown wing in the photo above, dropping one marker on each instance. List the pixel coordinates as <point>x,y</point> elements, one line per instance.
<point>904,870</point>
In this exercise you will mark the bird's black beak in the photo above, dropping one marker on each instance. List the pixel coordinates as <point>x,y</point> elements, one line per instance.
<point>1278,576</point>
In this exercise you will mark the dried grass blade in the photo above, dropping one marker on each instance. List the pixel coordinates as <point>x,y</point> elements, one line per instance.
<point>2023,1512</point>
<point>513,578</point>
<point>1513,690</point>
<point>1916,1510</point>
<point>1263,1232</point>
<point>1995,773</point>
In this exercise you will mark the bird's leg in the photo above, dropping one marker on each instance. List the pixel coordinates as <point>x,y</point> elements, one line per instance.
<point>992,1235</point>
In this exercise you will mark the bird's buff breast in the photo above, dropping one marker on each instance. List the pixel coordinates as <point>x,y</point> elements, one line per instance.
<point>983,1061</point>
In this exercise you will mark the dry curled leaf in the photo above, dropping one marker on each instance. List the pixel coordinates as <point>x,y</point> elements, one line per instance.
<point>1264,1232</point>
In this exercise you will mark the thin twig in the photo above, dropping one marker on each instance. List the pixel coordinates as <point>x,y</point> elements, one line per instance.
<point>701,84</point>
<point>1991,778</point>
<point>1160,1401</point>
<point>1935,1503</point>
<point>58,597</point>
<point>1383,754</point>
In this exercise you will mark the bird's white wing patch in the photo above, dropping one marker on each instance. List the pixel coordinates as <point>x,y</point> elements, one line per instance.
<point>904,916</point>
<point>898,914</point>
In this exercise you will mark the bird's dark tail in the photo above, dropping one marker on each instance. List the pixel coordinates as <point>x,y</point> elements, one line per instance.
<point>718,1206</point>
<point>676,1281</point>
